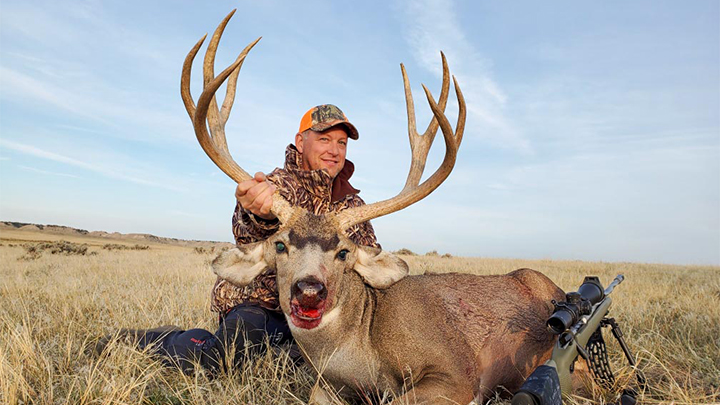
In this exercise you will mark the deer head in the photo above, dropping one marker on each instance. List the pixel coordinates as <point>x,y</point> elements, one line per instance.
<point>312,259</point>
<point>311,253</point>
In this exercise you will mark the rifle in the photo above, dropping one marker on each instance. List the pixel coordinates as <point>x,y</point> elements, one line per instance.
<point>578,321</point>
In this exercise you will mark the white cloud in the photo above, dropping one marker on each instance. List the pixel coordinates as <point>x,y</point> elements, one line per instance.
<point>45,172</point>
<point>35,22</point>
<point>431,26</point>
<point>95,101</point>
<point>93,167</point>
<point>20,85</point>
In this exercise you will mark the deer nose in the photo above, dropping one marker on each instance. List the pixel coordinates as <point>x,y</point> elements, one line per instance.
<point>309,292</point>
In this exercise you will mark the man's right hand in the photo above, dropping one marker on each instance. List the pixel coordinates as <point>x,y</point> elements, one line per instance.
<point>255,195</point>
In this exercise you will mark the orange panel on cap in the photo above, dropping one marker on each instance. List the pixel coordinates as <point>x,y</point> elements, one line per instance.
<point>306,122</point>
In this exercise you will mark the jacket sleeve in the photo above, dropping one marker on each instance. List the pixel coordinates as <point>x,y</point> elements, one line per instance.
<point>248,228</point>
<point>362,233</point>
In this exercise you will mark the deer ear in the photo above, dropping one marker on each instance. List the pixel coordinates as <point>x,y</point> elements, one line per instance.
<point>240,265</point>
<point>379,269</point>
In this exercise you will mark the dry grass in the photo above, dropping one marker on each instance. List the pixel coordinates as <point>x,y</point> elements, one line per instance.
<point>52,307</point>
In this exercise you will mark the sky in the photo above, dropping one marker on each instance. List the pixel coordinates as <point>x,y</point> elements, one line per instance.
<point>593,128</point>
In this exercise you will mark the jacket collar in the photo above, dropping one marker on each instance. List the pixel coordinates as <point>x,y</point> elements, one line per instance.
<point>319,182</point>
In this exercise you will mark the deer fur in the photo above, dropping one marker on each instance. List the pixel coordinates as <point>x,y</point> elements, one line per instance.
<point>435,338</point>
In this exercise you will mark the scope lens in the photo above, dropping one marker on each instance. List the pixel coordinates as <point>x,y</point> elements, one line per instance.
<point>560,321</point>
<point>592,290</point>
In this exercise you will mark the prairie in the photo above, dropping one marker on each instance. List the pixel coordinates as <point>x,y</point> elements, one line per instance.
<point>53,306</point>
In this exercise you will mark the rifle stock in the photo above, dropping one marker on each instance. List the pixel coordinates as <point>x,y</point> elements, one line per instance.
<point>565,355</point>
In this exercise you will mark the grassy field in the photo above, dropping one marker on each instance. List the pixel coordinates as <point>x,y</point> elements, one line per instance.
<point>53,305</point>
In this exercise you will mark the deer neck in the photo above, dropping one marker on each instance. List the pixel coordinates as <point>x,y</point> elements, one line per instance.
<point>346,327</point>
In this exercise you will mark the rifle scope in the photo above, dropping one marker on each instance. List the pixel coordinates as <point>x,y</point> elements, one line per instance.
<point>576,304</point>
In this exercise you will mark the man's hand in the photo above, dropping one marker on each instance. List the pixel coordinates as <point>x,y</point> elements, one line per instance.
<point>255,195</point>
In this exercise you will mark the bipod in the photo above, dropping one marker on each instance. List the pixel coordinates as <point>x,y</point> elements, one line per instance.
<point>600,366</point>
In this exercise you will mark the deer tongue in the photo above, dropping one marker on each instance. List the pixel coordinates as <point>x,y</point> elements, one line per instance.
<point>306,316</point>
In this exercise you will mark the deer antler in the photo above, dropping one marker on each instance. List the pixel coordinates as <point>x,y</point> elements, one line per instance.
<point>420,145</point>
<point>215,145</point>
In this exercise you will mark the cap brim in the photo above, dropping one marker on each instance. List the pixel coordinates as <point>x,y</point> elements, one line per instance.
<point>351,130</point>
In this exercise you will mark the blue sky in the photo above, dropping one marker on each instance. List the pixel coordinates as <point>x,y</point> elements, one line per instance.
<point>593,128</point>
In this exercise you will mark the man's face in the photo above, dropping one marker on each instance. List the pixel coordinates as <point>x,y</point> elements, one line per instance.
<point>323,150</point>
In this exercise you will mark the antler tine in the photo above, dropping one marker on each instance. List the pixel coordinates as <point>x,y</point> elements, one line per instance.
<point>232,83</point>
<point>217,125</point>
<point>420,144</point>
<point>414,194</point>
<point>185,78</point>
<point>452,140</point>
<point>218,118</point>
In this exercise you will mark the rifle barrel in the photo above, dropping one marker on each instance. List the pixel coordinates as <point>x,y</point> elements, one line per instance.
<point>619,279</point>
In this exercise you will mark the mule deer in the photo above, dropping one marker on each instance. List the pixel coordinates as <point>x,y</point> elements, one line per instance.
<point>355,312</point>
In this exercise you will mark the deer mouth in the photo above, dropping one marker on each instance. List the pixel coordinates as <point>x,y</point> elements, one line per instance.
<point>306,317</point>
<point>307,304</point>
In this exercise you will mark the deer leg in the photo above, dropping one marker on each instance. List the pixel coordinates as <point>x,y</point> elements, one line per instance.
<point>321,396</point>
<point>433,390</point>
<point>581,378</point>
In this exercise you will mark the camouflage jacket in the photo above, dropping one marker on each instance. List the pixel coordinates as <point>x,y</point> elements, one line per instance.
<point>313,190</point>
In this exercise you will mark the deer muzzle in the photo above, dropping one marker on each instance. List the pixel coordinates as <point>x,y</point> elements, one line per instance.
<point>307,302</point>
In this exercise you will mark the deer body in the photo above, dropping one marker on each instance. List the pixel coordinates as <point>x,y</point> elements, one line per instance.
<point>366,326</point>
<point>465,328</point>
<point>454,330</point>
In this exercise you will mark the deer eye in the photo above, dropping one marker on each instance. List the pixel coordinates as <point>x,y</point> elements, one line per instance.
<point>342,255</point>
<point>280,247</point>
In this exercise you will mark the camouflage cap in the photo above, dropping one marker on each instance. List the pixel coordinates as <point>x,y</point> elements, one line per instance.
<point>326,116</point>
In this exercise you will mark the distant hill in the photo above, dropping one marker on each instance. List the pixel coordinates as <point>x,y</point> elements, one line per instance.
<point>136,237</point>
